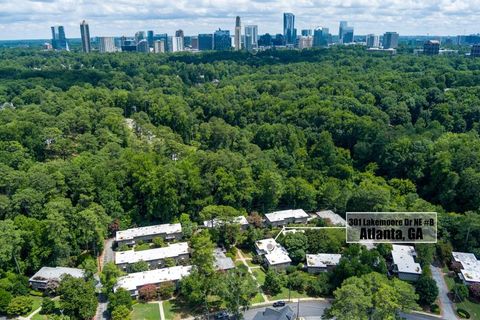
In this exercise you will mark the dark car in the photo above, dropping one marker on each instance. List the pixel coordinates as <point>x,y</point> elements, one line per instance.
<point>279,304</point>
<point>221,315</point>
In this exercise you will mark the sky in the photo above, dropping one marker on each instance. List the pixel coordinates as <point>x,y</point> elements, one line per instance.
<point>31,19</point>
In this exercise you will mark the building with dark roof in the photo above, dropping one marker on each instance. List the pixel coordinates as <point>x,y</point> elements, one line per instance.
<point>285,313</point>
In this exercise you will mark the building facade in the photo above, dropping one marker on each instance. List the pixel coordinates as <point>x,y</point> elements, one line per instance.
<point>147,234</point>
<point>106,44</point>
<point>222,40</point>
<point>390,40</point>
<point>289,31</point>
<point>475,52</point>
<point>251,37</point>
<point>238,34</point>
<point>59,40</point>
<point>205,41</point>
<point>159,46</point>
<point>431,47</point>
<point>85,35</point>
<point>372,41</point>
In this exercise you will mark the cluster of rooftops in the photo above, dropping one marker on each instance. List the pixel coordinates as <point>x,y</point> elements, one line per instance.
<point>274,254</point>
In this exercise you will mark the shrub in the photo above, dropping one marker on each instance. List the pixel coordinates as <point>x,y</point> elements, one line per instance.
<point>121,313</point>
<point>20,305</point>
<point>456,266</point>
<point>166,290</point>
<point>475,291</point>
<point>158,242</point>
<point>463,313</point>
<point>147,292</point>
<point>256,259</point>
<point>460,292</point>
<point>5,298</point>
<point>48,306</point>
<point>435,308</point>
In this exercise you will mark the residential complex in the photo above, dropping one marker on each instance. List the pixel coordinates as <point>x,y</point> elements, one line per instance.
<point>132,236</point>
<point>284,217</point>
<point>46,275</point>
<point>322,262</point>
<point>216,222</point>
<point>134,281</point>
<point>154,257</point>
<point>470,271</point>
<point>404,264</point>
<point>222,262</point>
<point>275,256</point>
<point>332,218</point>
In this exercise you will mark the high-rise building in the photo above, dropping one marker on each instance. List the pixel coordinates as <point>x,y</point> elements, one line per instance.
<point>205,41</point>
<point>306,32</point>
<point>59,41</point>
<point>128,45</point>
<point>150,39</point>
<point>177,44</point>
<point>181,39</point>
<point>343,25</point>
<point>163,37</point>
<point>159,46</point>
<point>251,37</point>
<point>194,42</point>
<point>347,35</point>
<point>305,42</point>
<point>279,40</point>
<point>238,34</point>
<point>139,36</point>
<point>222,40</point>
<point>390,40</point>
<point>106,44</point>
<point>372,41</point>
<point>475,52</point>
<point>289,31</point>
<point>85,35</point>
<point>142,46</point>
<point>321,37</point>
<point>431,47</point>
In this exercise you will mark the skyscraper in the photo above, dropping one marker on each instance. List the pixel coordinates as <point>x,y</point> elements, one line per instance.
<point>159,46</point>
<point>306,32</point>
<point>238,34</point>
<point>390,40</point>
<point>150,39</point>
<point>222,40</point>
<point>177,44</point>
<point>181,39</point>
<point>162,37</point>
<point>372,41</point>
<point>343,25</point>
<point>431,47</point>
<point>289,31</point>
<point>321,37</point>
<point>251,37</point>
<point>59,41</point>
<point>475,52</point>
<point>347,35</point>
<point>205,41</point>
<point>85,35</point>
<point>139,36</point>
<point>142,46</point>
<point>106,44</point>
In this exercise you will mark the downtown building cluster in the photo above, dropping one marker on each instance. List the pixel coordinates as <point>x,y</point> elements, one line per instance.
<point>247,38</point>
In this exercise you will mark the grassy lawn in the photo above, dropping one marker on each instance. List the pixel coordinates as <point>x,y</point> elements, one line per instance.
<point>260,275</point>
<point>246,254</point>
<point>174,310</point>
<point>471,307</point>
<point>146,311</point>
<point>258,298</point>
<point>251,264</point>
<point>283,295</point>
<point>450,282</point>
<point>238,263</point>
<point>37,303</point>
<point>39,317</point>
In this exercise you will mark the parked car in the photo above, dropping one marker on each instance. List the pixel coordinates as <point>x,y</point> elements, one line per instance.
<point>279,304</point>
<point>221,315</point>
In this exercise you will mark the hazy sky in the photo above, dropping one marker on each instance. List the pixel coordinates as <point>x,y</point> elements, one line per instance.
<point>30,19</point>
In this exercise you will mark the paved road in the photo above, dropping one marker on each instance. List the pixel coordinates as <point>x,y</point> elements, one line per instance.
<point>308,309</point>
<point>107,256</point>
<point>446,305</point>
<point>313,310</point>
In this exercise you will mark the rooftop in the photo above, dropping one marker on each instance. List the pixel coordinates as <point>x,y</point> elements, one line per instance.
<point>222,262</point>
<point>218,222</point>
<point>278,256</point>
<point>132,256</point>
<point>403,258</point>
<point>133,233</point>
<point>323,260</point>
<point>138,279</point>
<point>334,218</point>
<point>470,275</point>
<point>285,313</point>
<point>266,245</point>
<point>55,273</point>
<point>286,214</point>
<point>468,260</point>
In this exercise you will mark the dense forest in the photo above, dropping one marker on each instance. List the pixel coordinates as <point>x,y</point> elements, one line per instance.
<point>93,143</point>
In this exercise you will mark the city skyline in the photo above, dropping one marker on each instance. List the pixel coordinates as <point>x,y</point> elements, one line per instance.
<point>31,19</point>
